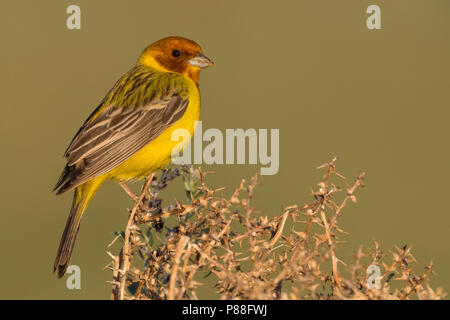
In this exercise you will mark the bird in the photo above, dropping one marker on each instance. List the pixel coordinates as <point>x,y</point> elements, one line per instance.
<point>128,136</point>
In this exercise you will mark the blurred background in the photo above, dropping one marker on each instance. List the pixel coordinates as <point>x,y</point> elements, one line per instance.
<point>378,99</point>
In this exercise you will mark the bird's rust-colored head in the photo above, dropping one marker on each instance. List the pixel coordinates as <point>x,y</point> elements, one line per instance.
<point>176,54</point>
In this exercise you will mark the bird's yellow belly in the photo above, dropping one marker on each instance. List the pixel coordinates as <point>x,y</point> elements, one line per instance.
<point>157,153</point>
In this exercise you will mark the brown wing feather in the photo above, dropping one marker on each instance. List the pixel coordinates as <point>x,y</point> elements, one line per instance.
<point>114,136</point>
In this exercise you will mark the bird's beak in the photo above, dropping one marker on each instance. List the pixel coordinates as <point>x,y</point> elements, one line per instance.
<point>201,61</point>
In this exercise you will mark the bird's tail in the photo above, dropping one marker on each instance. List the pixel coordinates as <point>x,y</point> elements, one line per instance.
<point>81,198</point>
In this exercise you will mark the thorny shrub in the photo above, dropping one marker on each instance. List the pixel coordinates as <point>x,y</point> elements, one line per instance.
<point>252,256</point>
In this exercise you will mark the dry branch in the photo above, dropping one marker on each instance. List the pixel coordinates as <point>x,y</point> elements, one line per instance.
<point>251,256</point>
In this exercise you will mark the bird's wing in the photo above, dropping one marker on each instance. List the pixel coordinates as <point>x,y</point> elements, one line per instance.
<point>116,133</point>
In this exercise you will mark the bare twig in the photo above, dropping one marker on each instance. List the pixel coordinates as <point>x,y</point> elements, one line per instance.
<point>173,275</point>
<point>249,255</point>
<point>124,257</point>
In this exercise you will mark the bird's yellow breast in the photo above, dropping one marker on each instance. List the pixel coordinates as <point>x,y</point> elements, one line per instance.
<point>158,152</point>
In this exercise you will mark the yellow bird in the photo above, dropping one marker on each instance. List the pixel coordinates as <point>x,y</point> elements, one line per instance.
<point>128,136</point>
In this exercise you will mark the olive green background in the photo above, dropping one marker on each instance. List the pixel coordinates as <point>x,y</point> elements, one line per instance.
<point>377,99</point>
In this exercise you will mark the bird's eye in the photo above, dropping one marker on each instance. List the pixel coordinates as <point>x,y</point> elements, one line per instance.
<point>176,53</point>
